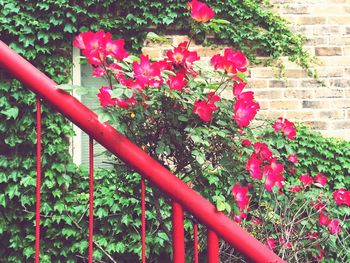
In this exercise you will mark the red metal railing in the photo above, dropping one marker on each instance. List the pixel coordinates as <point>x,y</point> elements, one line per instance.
<point>184,198</point>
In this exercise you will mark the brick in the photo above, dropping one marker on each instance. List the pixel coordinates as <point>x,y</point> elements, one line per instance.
<point>297,9</point>
<point>311,83</point>
<point>268,94</point>
<point>341,134</point>
<point>277,84</point>
<point>331,114</point>
<point>316,41</point>
<point>329,93</point>
<point>347,93</point>
<point>177,39</point>
<point>264,104</point>
<point>269,114</point>
<point>339,83</point>
<point>340,125</point>
<point>339,20</point>
<point>285,104</point>
<point>316,104</point>
<point>295,73</point>
<point>347,72</point>
<point>300,115</point>
<point>152,52</point>
<point>206,51</point>
<point>263,73</point>
<point>299,94</point>
<point>326,30</point>
<point>339,41</point>
<point>326,9</point>
<point>257,83</point>
<point>346,51</point>
<point>335,60</point>
<point>319,125</point>
<point>330,72</point>
<point>341,103</point>
<point>310,20</point>
<point>328,51</point>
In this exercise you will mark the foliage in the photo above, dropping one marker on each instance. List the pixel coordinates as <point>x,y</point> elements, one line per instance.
<point>42,30</point>
<point>316,154</point>
<point>173,108</point>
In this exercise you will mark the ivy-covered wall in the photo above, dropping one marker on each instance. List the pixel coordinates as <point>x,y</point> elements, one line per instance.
<point>42,31</point>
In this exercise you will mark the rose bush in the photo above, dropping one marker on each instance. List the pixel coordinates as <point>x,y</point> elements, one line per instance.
<point>177,111</point>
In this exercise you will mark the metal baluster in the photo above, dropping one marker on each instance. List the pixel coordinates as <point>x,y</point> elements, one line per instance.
<point>91,198</point>
<point>213,247</point>
<point>195,242</point>
<point>178,233</point>
<point>38,180</point>
<point>143,220</point>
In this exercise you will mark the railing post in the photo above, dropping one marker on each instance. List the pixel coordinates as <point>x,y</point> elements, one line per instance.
<point>178,233</point>
<point>213,247</point>
<point>195,242</point>
<point>143,220</point>
<point>91,198</point>
<point>38,179</point>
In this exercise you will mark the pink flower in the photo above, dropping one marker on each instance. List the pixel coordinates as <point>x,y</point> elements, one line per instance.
<point>237,218</point>
<point>321,179</point>
<point>245,109</point>
<point>104,96</point>
<point>231,61</point>
<point>284,243</point>
<point>98,72</point>
<point>286,126</point>
<point>246,143</point>
<point>177,82</point>
<point>181,56</point>
<point>293,158</point>
<point>262,150</point>
<point>240,194</point>
<point>320,255</point>
<point>312,236</point>
<point>323,219</point>
<point>125,103</point>
<point>334,227</point>
<point>271,243</point>
<point>145,71</point>
<point>273,174</point>
<point>205,108</point>
<point>295,189</point>
<point>253,166</point>
<point>342,197</point>
<point>319,206</point>
<point>200,11</point>
<point>238,87</point>
<point>97,46</point>
<point>257,221</point>
<point>306,179</point>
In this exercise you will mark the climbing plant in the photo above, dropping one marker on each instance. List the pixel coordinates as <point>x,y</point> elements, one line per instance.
<point>42,32</point>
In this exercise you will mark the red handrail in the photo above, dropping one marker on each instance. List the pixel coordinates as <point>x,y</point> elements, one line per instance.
<point>135,157</point>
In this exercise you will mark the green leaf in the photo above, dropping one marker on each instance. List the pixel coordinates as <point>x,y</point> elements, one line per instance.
<point>11,113</point>
<point>117,93</point>
<point>103,117</point>
<point>220,206</point>
<point>81,91</point>
<point>220,21</point>
<point>129,93</point>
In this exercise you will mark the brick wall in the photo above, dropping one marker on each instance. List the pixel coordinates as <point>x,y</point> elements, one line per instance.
<point>325,107</point>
